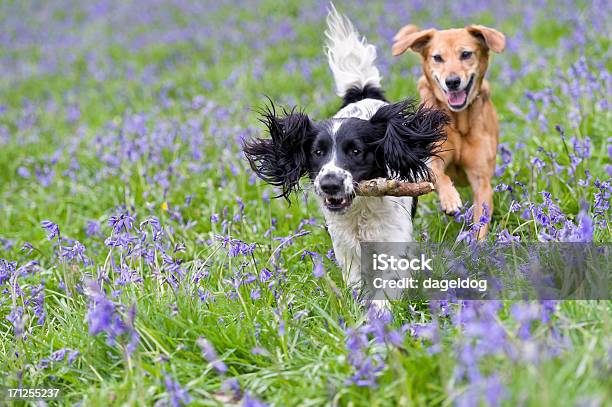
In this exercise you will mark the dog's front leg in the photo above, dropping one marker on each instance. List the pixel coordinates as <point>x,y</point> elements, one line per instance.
<point>450,201</point>
<point>348,255</point>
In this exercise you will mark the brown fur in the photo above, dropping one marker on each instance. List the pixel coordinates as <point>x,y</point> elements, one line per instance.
<point>468,155</point>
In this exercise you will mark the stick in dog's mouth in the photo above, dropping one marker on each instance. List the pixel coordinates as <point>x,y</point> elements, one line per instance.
<point>393,187</point>
<point>378,187</point>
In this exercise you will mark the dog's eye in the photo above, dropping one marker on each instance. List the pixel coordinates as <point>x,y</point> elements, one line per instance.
<point>355,151</point>
<point>318,153</point>
<point>466,54</point>
<point>438,58</point>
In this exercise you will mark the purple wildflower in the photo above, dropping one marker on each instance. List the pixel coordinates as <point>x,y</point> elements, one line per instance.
<point>15,317</point>
<point>134,337</point>
<point>72,355</point>
<point>176,394</point>
<point>524,314</point>
<point>103,316</point>
<point>123,221</point>
<point>23,172</point>
<point>37,299</point>
<point>515,206</point>
<point>428,332</point>
<point>59,355</point>
<point>51,228</point>
<point>93,228</point>
<point>548,309</point>
<point>250,401</point>
<point>505,237</point>
<point>100,316</point>
<point>300,314</point>
<point>366,368</point>
<point>538,164</point>
<point>260,351</point>
<point>282,327</point>
<point>27,248</point>
<point>367,371</point>
<point>7,268</point>
<point>204,296</point>
<point>255,293</point>
<point>317,269</point>
<point>232,386</point>
<point>210,354</point>
<point>264,275</point>
<point>75,252</point>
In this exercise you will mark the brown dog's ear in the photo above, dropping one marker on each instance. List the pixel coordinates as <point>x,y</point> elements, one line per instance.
<point>410,38</point>
<point>404,31</point>
<point>493,39</point>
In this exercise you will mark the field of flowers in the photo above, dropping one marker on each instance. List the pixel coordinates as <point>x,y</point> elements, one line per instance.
<point>142,263</point>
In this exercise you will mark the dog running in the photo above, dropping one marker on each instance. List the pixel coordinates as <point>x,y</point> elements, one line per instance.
<point>367,138</point>
<point>454,64</point>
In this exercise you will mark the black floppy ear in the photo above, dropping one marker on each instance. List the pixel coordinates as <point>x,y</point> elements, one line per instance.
<point>281,160</point>
<point>409,136</point>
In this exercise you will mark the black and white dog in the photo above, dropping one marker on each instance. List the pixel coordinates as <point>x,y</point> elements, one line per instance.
<point>367,138</point>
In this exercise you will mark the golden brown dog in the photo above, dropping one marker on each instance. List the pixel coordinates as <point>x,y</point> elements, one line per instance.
<point>454,65</point>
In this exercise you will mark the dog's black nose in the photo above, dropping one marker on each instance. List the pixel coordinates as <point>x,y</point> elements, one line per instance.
<point>331,184</point>
<point>453,82</point>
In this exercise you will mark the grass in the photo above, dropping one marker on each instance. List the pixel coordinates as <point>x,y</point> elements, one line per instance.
<point>306,361</point>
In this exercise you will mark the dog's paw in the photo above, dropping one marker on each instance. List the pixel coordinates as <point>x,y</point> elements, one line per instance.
<point>450,201</point>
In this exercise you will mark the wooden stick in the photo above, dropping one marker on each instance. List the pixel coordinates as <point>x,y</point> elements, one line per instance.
<point>392,187</point>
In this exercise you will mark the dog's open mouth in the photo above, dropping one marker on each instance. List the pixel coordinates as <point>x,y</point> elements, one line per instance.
<point>338,204</point>
<point>458,99</point>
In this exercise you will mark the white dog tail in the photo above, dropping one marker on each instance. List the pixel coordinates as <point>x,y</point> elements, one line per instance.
<point>350,58</point>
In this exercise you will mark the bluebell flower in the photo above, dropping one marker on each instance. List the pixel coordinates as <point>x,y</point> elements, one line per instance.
<point>300,314</point>
<point>100,316</point>
<point>250,401</point>
<point>210,354</point>
<point>204,296</point>
<point>538,164</point>
<point>317,269</point>
<point>75,252</point>
<point>51,228</point>
<point>264,275</point>
<point>72,355</point>
<point>231,385</point>
<point>7,268</point>
<point>255,293</point>
<point>505,237</point>
<point>176,394</point>
<point>122,222</point>
<point>23,172</point>
<point>93,228</point>
<point>27,248</point>
<point>15,317</point>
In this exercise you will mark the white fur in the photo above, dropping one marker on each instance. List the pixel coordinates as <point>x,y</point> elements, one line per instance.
<point>368,219</point>
<point>351,59</point>
<point>332,168</point>
<point>364,109</point>
<point>373,219</point>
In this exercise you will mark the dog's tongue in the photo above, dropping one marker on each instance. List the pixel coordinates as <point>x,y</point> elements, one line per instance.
<point>456,98</point>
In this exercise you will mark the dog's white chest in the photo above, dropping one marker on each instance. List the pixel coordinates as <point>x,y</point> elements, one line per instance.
<point>385,219</point>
